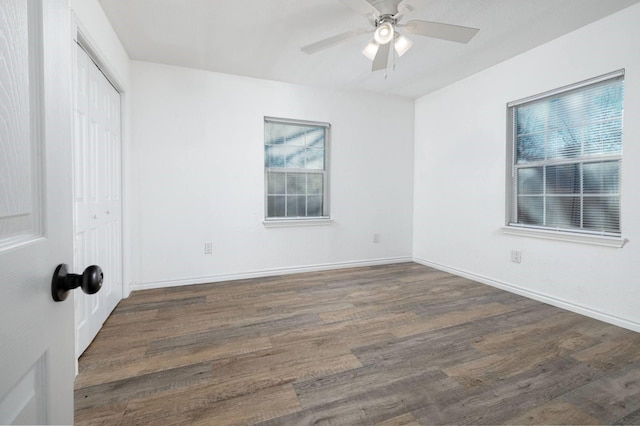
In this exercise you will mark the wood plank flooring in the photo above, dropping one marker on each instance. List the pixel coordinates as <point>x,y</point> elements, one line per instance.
<point>398,344</point>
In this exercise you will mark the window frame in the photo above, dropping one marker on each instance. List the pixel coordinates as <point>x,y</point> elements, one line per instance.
<point>511,204</point>
<point>325,218</point>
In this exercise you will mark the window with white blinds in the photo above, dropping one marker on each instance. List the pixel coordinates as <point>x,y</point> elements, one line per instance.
<point>296,172</point>
<point>566,163</point>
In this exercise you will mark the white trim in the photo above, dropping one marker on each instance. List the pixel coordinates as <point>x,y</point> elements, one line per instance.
<point>598,240</point>
<point>560,303</point>
<point>296,121</point>
<point>82,36</point>
<point>270,272</point>
<point>288,223</point>
<point>609,76</point>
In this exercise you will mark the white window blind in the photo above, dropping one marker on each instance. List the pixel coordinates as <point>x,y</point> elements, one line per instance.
<point>296,178</point>
<point>566,158</point>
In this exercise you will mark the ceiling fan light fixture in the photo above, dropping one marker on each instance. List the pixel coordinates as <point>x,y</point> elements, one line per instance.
<point>402,44</point>
<point>384,33</point>
<point>384,21</point>
<point>371,50</point>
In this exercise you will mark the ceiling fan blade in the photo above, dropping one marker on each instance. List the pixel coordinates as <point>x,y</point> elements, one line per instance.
<point>332,41</point>
<point>363,7</point>
<point>382,57</point>
<point>403,9</point>
<point>442,31</point>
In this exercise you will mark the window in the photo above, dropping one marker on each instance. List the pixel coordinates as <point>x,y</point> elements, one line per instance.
<point>566,148</point>
<point>296,172</point>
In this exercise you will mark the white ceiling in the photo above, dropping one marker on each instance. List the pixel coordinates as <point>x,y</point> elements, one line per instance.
<point>262,38</point>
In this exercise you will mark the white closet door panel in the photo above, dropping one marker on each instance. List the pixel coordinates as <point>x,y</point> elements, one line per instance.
<point>98,201</point>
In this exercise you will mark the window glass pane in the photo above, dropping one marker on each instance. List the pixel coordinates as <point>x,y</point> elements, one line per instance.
<point>530,180</point>
<point>275,183</point>
<point>315,138</point>
<point>563,212</point>
<point>296,184</point>
<point>275,133</point>
<point>275,206</point>
<point>314,205</point>
<point>274,156</point>
<point>296,206</point>
<point>532,118</point>
<point>604,102</point>
<point>315,183</point>
<point>530,148</point>
<point>565,111</point>
<point>564,143</point>
<point>294,158</point>
<point>603,138</point>
<point>531,210</point>
<point>296,136</point>
<point>294,146</point>
<point>285,134</point>
<point>602,214</point>
<point>315,159</point>
<point>563,179</point>
<point>602,178</point>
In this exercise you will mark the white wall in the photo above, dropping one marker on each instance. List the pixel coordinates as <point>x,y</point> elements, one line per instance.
<point>199,160</point>
<point>459,189</point>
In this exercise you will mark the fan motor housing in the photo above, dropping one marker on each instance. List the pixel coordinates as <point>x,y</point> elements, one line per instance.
<point>382,19</point>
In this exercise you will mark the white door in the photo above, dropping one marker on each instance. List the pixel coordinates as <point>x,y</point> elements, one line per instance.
<point>97,199</point>
<point>37,365</point>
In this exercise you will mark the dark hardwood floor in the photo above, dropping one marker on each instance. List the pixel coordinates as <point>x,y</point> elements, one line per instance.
<point>398,344</point>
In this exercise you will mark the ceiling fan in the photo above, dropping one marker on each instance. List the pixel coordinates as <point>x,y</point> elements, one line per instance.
<point>385,16</point>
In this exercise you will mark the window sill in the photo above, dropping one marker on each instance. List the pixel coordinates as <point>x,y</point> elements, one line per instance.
<point>598,240</point>
<point>288,223</point>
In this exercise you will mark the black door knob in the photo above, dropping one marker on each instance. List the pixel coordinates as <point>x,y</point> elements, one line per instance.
<point>62,282</point>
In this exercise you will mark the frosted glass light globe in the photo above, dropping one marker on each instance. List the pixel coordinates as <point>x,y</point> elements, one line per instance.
<point>384,33</point>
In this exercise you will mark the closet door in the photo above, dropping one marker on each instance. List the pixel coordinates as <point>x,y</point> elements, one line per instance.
<point>97,194</point>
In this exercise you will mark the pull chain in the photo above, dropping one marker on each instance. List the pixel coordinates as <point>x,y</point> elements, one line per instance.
<point>393,52</point>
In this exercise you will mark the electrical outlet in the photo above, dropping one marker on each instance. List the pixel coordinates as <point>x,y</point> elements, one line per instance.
<point>208,248</point>
<point>516,256</point>
<point>376,238</point>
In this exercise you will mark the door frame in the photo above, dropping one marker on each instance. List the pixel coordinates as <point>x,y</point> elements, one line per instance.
<point>82,37</point>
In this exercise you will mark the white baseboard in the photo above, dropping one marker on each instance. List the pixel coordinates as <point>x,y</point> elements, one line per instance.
<point>269,273</point>
<point>551,300</point>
